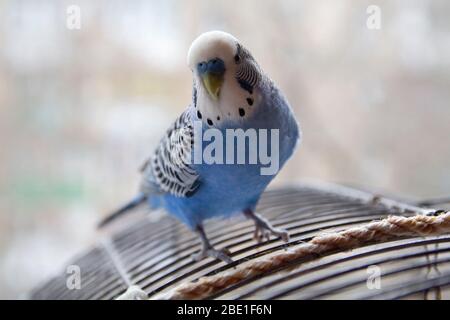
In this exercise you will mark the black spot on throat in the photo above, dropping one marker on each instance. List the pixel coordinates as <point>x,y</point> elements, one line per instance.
<point>209,122</point>
<point>199,114</point>
<point>250,101</point>
<point>241,112</point>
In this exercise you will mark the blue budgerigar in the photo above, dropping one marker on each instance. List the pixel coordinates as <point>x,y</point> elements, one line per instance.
<point>230,92</point>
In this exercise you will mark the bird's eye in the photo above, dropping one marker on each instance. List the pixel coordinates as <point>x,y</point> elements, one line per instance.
<point>237,59</point>
<point>201,66</point>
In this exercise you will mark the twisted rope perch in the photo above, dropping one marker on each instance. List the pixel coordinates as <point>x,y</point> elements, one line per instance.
<point>391,228</point>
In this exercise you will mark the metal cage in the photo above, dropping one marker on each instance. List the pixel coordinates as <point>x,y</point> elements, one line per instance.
<point>156,255</point>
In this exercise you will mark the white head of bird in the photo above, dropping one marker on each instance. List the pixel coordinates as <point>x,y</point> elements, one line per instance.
<point>226,78</point>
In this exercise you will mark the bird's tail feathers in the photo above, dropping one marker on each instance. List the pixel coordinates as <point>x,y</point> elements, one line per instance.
<point>140,198</point>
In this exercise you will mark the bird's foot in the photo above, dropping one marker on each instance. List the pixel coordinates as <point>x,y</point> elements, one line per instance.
<point>263,229</point>
<point>263,233</point>
<point>213,253</point>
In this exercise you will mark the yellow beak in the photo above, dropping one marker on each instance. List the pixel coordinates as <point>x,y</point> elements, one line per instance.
<point>213,83</point>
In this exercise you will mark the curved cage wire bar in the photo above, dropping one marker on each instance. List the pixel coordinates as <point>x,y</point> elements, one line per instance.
<point>156,255</point>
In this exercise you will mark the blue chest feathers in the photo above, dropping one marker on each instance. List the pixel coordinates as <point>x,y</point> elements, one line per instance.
<point>230,183</point>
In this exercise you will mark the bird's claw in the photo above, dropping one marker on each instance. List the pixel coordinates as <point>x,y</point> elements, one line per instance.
<point>213,253</point>
<point>262,233</point>
<point>284,235</point>
<point>263,228</point>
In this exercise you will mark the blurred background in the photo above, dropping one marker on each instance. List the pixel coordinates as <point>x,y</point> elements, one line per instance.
<point>81,109</point>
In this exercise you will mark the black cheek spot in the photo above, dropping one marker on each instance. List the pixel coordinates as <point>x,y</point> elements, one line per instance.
<point>218,118</point>
<point>246,86</point>
<point>250,101</point>
<point>199,114</point>
<point>209,122</point>
<point>241,112</point>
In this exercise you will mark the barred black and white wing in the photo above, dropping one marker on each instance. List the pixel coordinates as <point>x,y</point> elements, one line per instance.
<point>169,169</point>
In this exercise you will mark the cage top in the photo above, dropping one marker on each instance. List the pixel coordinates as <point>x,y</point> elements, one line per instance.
<point>156,255</point>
